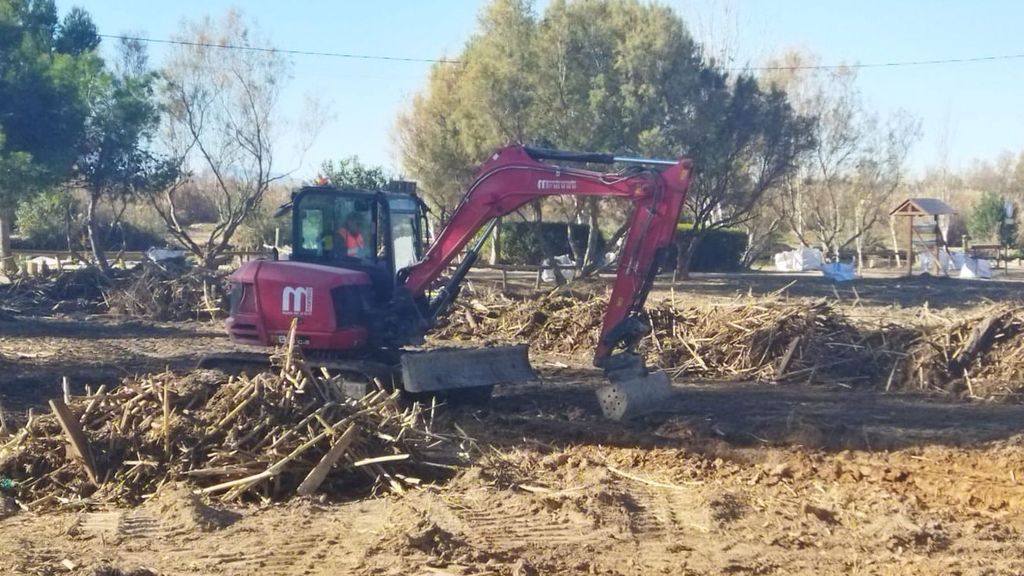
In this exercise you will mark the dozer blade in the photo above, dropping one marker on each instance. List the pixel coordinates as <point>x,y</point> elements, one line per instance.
<point>634,396</point>
<point>453,369</point>
<point>236,362</point>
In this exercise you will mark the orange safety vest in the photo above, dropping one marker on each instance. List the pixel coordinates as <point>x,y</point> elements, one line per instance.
<point>353,241</point>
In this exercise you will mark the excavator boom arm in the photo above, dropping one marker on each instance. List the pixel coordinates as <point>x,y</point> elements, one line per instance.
<point>515,175</point>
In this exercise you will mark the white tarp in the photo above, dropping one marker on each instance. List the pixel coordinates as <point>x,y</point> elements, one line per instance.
<point>946,264</point>
<point>799,260</point>
<point>548,274</point>
<point>839,272</point>
<point>161,254</point>
<point>949,262</point>
<point>975,268</point>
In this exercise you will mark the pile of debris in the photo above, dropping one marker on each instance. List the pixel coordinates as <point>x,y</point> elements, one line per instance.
<point>74,290</point>
<point>163,291</point>
<point>561,321</point>
<point>765,339</point>
<point>169,290</point>
<point>981,356</point>
<point>278,434</point>
<point>771,339</point>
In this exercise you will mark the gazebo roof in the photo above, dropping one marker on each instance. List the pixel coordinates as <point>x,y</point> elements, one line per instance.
<point>922,207</point>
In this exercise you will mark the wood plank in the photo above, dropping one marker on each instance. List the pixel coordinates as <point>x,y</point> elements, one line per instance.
<point>319,472</point>
<point>76,437</point>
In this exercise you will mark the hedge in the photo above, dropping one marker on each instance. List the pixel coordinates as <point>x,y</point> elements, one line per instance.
<point>720,250</point>
<point>519,241</point>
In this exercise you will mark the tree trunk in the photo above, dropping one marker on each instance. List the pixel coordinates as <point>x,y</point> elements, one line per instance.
<point>573,250</point>
<point>496,245</point>
<point>542,242</point>
<point>67,227</point>
<point>684,255</point>
<point>895,243</point>
<point>92,226</point>
<point>7,264</point>
<point>860,256</point>
<point>587,266</point>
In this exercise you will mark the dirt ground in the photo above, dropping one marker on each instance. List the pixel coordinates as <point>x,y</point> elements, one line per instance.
<point>727,479</point>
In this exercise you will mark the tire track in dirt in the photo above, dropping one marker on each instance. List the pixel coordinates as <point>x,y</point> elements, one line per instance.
<point>311,544</point>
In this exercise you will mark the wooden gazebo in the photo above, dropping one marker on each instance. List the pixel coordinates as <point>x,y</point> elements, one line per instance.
<point>923,229</point>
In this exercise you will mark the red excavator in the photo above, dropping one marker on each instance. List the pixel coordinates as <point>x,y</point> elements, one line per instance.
<point>364,290</point>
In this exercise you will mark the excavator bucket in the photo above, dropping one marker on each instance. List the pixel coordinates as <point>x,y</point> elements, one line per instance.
<point>635,395</point>
<point>455,368</point>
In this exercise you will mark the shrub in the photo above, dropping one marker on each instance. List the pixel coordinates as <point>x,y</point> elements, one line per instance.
<point>45,220</point>
<point>519,241</point>
<point>718,251</point>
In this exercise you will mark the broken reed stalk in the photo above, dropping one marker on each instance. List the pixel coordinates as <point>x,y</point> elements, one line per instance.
<point>268,437</point>
<point>763,339</point>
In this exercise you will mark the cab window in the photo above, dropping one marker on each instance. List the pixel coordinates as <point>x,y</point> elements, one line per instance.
<point>333,227</point>
<point>404,239</point>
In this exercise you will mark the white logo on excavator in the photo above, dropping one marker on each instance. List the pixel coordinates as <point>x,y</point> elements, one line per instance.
<point>556,184</point>
<point>297,300</point>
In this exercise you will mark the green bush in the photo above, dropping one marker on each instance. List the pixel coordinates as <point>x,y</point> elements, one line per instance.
<point>718,251</point>
<point>519,241</point>
<point>43,220</point>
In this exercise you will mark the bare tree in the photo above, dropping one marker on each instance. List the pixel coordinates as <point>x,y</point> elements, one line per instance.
<point>221,113</point>
<point>765,226</point>
<point>846,182</point>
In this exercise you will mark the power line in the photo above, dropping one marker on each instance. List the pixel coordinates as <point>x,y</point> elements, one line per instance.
<point>278,50</point>
<point>897,64</point>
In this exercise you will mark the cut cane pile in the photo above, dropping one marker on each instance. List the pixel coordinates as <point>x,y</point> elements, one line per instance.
<point>169,291</point>
<point>79,290</point>
<point>263,438</point>
<point>981,356</point>
<point>760,339</point>
<point>772,339</point>
<point>163,291</point>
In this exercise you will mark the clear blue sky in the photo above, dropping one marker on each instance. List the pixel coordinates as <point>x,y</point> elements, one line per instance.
<point>975,108</point>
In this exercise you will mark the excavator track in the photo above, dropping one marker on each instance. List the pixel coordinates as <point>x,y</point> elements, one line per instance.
<point>463,375</point>
<point>360,375</point>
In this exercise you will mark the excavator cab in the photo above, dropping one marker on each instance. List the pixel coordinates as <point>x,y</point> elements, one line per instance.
<point>378,233</point>
<point>347,248</point>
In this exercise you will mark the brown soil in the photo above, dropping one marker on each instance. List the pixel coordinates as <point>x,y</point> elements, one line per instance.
<point>727,479</point>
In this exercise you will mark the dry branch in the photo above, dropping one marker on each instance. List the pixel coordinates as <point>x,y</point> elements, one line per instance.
<point>239,438</point>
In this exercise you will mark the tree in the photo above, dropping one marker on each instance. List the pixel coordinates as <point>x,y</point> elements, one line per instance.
<point>469,109</point>
<point>77,33</point>
<point>351,173</point>
<point>846,181</point>
<point>46,70</point>
<point>221,113</point>
<point>116,162</point>
<point>605,75</point>
<point>990,219</point>
<point>745,142</point>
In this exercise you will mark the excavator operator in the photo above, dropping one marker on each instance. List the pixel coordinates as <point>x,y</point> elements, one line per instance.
<point>352,237</point>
